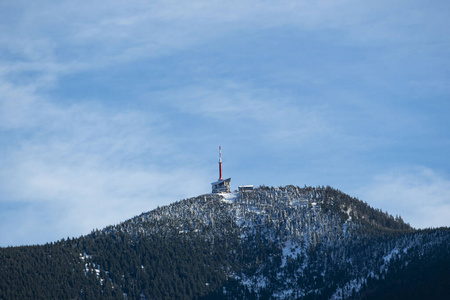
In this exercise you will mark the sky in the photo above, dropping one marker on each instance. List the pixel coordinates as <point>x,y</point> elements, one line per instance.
<point>111,110</point>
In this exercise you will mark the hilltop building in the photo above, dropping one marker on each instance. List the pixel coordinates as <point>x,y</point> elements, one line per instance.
<point>221,185</point>
<point>245,188</point>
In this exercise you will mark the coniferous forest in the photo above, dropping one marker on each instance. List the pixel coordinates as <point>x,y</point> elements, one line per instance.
<point>269,243</point>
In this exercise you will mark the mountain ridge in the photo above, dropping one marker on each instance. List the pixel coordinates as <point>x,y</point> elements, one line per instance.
<point>269,243</point>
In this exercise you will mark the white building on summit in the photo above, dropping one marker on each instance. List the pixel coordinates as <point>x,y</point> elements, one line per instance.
<point>221,185</point>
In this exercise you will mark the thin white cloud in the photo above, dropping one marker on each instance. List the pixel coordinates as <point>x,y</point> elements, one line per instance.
<point>95,165</point>
<point>274,116</point>
<point>88,34</point>
<point>420,195</point>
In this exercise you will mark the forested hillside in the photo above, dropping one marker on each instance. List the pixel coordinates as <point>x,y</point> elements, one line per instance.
<point>269,243</point>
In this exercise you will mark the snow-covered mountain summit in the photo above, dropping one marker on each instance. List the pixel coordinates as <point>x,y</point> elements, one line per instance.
<point>311,215</point>
<point>289,242</point>
<point>266,243</point>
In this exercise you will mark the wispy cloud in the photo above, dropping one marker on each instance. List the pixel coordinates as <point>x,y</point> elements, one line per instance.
<point>274,117</point>
<point>97,165</point>
<point>89,34</point>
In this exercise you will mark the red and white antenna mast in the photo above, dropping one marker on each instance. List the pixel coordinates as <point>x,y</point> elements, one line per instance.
<point>220,163</point>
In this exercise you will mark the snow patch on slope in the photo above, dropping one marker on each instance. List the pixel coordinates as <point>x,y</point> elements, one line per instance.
<point>290,250</point>
<point>229,197</point>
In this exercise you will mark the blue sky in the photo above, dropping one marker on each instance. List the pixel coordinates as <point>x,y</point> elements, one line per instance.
<point>108,111</point>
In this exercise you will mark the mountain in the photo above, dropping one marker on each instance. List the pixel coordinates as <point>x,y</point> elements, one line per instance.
<point>267,243</point>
